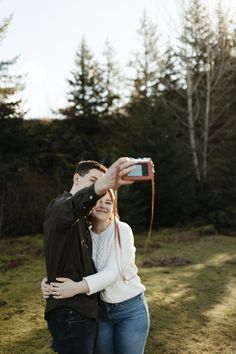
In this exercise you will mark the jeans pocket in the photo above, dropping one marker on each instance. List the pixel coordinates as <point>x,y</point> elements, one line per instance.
<point>77,328</point>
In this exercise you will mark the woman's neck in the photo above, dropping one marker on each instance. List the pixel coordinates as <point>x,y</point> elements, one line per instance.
<point>100,226</point>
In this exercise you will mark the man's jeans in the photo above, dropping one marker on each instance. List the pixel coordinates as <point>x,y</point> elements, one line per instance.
<point>123,327</point>
<point>72,332</point>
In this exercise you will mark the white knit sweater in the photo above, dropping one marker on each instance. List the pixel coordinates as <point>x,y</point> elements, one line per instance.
<point>117,278</point>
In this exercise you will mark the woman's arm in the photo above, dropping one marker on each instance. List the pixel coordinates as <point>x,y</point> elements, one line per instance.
<point>90,284</point>
<point>64,288</point>
<point>67,288</point>
<point>94,283</point>
<point>118,261</point>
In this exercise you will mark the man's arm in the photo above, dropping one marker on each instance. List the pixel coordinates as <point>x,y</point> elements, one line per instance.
<point>66,210</point>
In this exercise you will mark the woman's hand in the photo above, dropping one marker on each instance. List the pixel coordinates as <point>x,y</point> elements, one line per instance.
<point>45,288</point>
<point>64,289</point>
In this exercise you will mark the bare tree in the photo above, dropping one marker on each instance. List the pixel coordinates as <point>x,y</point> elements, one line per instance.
<point>206,87</point>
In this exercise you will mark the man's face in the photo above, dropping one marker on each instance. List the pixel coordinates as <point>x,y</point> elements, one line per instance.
<point>89,179</point>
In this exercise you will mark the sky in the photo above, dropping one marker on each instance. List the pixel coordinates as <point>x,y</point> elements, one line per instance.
<point>45,34</point>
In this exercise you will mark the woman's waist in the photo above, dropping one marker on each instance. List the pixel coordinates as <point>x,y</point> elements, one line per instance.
<point>126,302</point>
<point>121,292</point>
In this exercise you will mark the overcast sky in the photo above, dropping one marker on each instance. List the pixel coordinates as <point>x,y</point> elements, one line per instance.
<point>47,33</point>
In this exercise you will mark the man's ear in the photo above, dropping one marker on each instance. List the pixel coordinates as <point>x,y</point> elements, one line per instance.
<point>76,178</point>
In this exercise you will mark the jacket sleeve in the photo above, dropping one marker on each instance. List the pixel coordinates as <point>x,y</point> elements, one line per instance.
<point>65,211</point>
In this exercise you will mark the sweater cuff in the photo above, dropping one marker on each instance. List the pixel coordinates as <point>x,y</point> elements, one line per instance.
<point>92,290</point>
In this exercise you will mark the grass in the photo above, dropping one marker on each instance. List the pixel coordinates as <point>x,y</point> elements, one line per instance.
<point>192,307</point>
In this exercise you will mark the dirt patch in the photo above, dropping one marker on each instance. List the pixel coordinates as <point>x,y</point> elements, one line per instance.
<point>165,262</point>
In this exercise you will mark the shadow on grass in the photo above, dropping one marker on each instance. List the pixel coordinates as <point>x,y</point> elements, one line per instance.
<point>180,299</point>
<point>180,312</point>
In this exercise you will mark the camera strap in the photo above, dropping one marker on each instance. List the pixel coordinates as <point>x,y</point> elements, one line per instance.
<point>116,226</point>
<point>152,217</point>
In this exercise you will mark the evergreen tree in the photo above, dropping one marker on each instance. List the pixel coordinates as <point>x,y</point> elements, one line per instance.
<point>85,96</point>
<point>146,62</point>
<point>111,81</point>
<point>11,130</point>
<point>10,85</point>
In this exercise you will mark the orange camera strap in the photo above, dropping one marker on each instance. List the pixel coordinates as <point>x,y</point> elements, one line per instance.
<point>117,231</point>
<point>152,217</point>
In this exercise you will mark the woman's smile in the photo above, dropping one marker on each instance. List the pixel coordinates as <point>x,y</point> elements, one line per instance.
<point>101,210</point>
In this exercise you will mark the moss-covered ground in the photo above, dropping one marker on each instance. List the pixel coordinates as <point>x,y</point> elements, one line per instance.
<point>191,293</point>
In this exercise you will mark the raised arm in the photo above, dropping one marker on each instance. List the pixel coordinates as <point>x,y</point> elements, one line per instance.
<point>66,210</point>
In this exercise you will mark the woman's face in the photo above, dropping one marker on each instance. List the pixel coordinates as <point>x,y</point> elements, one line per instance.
<point>103,210</point>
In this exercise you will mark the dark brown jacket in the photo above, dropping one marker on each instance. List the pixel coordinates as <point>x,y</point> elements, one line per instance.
<point>68,247</point>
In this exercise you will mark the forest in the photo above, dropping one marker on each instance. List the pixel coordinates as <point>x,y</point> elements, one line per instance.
<point>177,106</point>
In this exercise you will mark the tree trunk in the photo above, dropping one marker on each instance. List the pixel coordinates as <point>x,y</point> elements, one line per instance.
<point>206,120</point>
<point>191,129</point>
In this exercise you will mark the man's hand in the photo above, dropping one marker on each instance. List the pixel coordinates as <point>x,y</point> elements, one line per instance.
<point>113,178</point>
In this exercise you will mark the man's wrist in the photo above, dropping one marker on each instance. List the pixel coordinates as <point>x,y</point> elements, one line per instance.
<point>100,187</point>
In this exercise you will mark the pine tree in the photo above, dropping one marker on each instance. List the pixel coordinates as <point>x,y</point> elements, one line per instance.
<point>85,96</point>
<point>11,127</point>
<point>111,80</point>
<point>146,62</point>
<point>10,85</point>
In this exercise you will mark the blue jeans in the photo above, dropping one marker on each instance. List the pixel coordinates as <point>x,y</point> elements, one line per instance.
<point>72,332</point>
<point>123,327</point>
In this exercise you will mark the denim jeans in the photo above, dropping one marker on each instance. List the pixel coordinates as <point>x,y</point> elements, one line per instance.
<point>123,327</point>
<point>72,332</point>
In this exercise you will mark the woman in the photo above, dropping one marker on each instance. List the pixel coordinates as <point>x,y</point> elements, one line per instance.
<point>124,320</point>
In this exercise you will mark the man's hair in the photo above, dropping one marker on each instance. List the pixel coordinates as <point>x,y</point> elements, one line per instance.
<point>83,167</point>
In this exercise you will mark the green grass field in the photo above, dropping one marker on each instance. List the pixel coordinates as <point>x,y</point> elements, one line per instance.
<point>192,306</point>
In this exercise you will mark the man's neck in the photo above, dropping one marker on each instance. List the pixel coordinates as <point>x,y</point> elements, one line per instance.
<point>75,188</point>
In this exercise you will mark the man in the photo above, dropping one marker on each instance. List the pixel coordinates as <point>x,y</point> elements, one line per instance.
<point>68,250</point>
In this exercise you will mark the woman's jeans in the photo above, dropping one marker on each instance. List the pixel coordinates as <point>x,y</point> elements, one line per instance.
<point>72,332</point>
<point>123,327</point>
